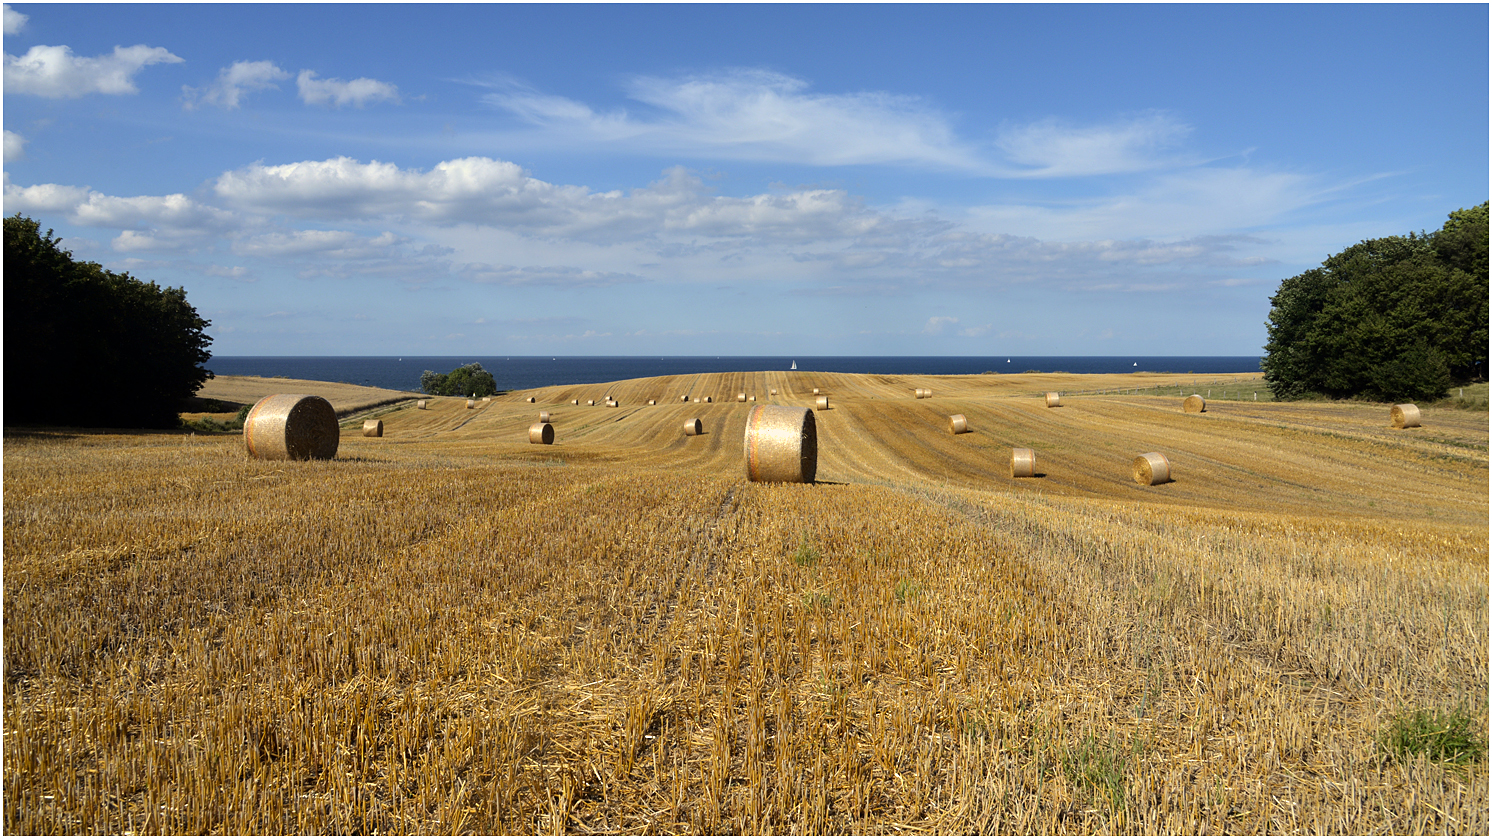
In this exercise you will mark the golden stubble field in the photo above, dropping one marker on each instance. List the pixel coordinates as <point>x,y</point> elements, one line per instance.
<point>449,630</point>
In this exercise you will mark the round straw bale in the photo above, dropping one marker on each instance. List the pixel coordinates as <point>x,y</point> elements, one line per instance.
<point>291,426</point>
<point>1194,404</point>
<point>740,397</point>
<point>693,428</point>
<point>543,416</point>
<point>774,391</point>
<point>1405,416</point>
<point>614,404</point>
<point>372,428</point>
<point>685,398</point>
<point>489,399</point>
<point>591,402</point>
<point>1152,468</point>
<point>822,403</point>
<point>696,400</point>
<point>574,401</point>
<point>1053,400</point>
<point>958,424</point>
<point>918,391</point>
<point>815,391</point>
<point>421,405</point>
<point>753,397</point>
<point>652,402</point>
<point>470,404</point>
<point>1022,463</point>
<point>530,400</point>
<point>709,399</point>
<point>541,432</point>
<point>781,444</point>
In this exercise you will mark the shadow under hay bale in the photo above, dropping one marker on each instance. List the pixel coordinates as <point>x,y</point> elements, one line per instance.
<point>1194,404</point>
<point>693,428</point>
<point>1022,463</point>
<point>541,432</point>
<point>781,445</point>
<point>1152,468</point>
<point>1053,400</point>
<point>291,426</point>
<point>372,428</point>
<point>1404,416</point>
<point>958,424</point>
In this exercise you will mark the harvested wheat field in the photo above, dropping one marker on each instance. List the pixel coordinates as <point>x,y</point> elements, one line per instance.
<point>450,630</point>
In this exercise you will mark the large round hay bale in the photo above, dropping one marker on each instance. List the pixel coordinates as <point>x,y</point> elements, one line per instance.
<point>821,404</point>
<point>740,397</point>
<point>291,426</point>
<point>421,405</point>
<point>1152,468</point>
<point>541,432</point>
<point>1405,416</point>
<point>1194,404</point>
<point>543,416</point>
<point>471,404</point>
<point>781,445</point>
<point>693,428</point>
<point>1053,400</point>
<point>372,428</point>
<point>1022,463</point>
<point>958,424</point>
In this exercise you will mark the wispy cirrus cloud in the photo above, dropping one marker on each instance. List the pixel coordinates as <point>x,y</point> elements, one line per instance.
<point>55,73</point>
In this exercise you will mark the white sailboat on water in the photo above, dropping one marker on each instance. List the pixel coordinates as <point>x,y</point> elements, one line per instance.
<point>795,365</point>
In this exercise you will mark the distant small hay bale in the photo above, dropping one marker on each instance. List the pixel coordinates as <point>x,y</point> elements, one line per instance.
<point>613,404</point>
<point>1022,463</point>
<point>652,402</point>
<point>696,400</point>
<point>1194,404</point>
<point>541,432</point>
<point>781,445</point>
<point>774,391</point>
<point>753,397</point>
<point>530,400</point>
<point>372,428</point>
<point>489,399</point>
<point>1405,416</point>
<point>709,399</point>
<point>815,391</point>
<point>740,397</point>
<point>543,416</point>
<point>292,426</point>
<point>470,404</point>
<point>421,405</point>
<point>958,424</point>
<point>924,393</point>
<point>693,428</point>
<point>1152,468</point>
<point>821,404</point>
<point>685,398</point>
<point>1053,400</point>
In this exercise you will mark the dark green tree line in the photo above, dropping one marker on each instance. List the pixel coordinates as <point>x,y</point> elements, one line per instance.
<point>1392,319</point>
<point>469,380</point>
<point>87,346</point>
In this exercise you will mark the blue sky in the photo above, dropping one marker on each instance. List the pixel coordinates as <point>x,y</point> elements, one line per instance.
<point>738,180</point>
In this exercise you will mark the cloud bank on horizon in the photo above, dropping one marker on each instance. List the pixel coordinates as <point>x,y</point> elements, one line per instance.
<point>1116,180</point>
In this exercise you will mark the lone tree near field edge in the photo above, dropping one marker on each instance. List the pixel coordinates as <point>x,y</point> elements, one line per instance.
<point>1395,319</point>
<point>136,349</point>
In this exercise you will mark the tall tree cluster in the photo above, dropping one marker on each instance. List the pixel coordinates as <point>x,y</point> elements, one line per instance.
<point>468,380</point>
<point>1395,319</point>
<point>90,347</point>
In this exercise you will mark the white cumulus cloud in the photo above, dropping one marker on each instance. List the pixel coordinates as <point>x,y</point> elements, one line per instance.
<point>336,93</point>
<point>56,73</point>
<point>14,21</point>
<point>233,83</point>
<point>15,146</point>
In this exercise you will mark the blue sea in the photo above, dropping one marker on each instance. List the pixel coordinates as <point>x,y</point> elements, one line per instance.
<point>520,372</point>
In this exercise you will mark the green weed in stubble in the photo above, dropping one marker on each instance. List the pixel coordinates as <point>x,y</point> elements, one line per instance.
<point>1441,736</point>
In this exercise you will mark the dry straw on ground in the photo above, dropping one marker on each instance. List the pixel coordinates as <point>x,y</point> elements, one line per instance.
<point>1053,400</point>
<point>372,428</point>
<point>1152,468</point>
<point>1022,463</point>
<point>781,445</point>
<point>1194,404</point>
<point>291,426</point>
<point>1405,416</point>
<point>958,424</point>
<point>541,432</point>
<point>693,427</point>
